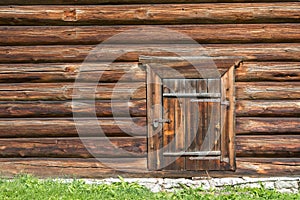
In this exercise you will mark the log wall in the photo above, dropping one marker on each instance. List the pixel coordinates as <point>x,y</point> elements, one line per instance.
<point>42,48</point>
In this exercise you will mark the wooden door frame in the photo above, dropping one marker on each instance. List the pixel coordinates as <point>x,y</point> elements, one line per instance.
<point>154,111</point>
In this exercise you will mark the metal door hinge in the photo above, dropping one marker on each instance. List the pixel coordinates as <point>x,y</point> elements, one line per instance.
<point>157,121</point>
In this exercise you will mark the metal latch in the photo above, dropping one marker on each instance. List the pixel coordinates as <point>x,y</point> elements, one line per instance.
<point>157,121</point>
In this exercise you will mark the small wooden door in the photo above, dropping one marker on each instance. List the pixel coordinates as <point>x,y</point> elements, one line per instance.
<point>188,124</point>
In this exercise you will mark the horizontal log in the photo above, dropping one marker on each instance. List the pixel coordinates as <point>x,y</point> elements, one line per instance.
<point>217,33</point>
<point>268,146</point>
<point>66,127</point>
<point>268,166</point>
<point>95,2</point>
<point>246,146</point>
<point>268,71</point>
<point>105,108</point>
<point>74,147</point>
<point>268,108</point>
<point>268,90</point>
<point>77,53</point>
<point>69,91</point>
<point>54,167</point>
<point>245,125</point>
<point>137,167</point>
<point>150,14</point>
<point>59,72</point>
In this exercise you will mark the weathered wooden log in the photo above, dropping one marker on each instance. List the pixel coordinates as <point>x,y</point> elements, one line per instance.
<point>259,125</point>
<point>68,91</point>
<point>268,166</point>
<point>93,72</point>
<point>268,71</point>
<point>95,2</point>
<point>268,90</point>
<point>268,146</point>
<point>48,72</point>
<point>87,167</point>
<point>134,90</point>
<point>246,146</point>
<point>74,147</point>
<point>77,53</point>
<point>217,33</point>
<point>123,71</point>
<point>104,108</point>
<point>137,167</point>
<point>66,127</point>
<point>150,14</point>
<point>268,108</point>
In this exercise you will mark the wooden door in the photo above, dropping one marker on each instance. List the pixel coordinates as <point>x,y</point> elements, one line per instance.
<point>188,124</point>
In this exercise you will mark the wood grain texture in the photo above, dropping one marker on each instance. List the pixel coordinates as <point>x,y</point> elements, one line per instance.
<point>74,147</point>
<point>69,72</point>
<point>123,71</point>
<point>68,91</point>
<point>268,108</point>
<point>77,53</point>
<point>190,67</point>
<point>154,111</point>
<point>136,167</point>
<point>66,127</point>
<point>217,33</point>
<point>268,146</point>
<point>268,71</point>
<point>150,14</point>
<point>267,125</point>
<point>95,2</point>
<point>268,90</point>
<point>104,108</point>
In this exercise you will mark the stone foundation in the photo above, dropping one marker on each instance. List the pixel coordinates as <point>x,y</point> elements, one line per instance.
<point>281,184</point>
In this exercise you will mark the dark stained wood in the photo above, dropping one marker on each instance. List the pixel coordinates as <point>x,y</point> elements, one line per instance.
<point>193,122</point>
<point>136,167</point>
<point>171,107</point>
<point>218,33</point>
<point>60,72</point>
<point>150,14</point>
<point>73,147</point>
<point>268,71</point>
<point>268,146</point>
<point>104,108</point>
<point>268,108</point>
<point>268,90</point>
<point>266,125</point>
<point>95,2</point>
<point>67,91</point>
<point>66,127</point>
<point>77,53</point>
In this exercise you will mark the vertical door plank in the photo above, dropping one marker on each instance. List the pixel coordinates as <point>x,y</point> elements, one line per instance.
<point>192,124</point>
<point>154,111</point>
<point>169,128</point>
<point>203,122</point>
<point>179,124</point>
<point>213,132</point>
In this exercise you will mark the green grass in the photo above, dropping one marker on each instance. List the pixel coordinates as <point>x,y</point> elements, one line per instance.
<point>28,187</point>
